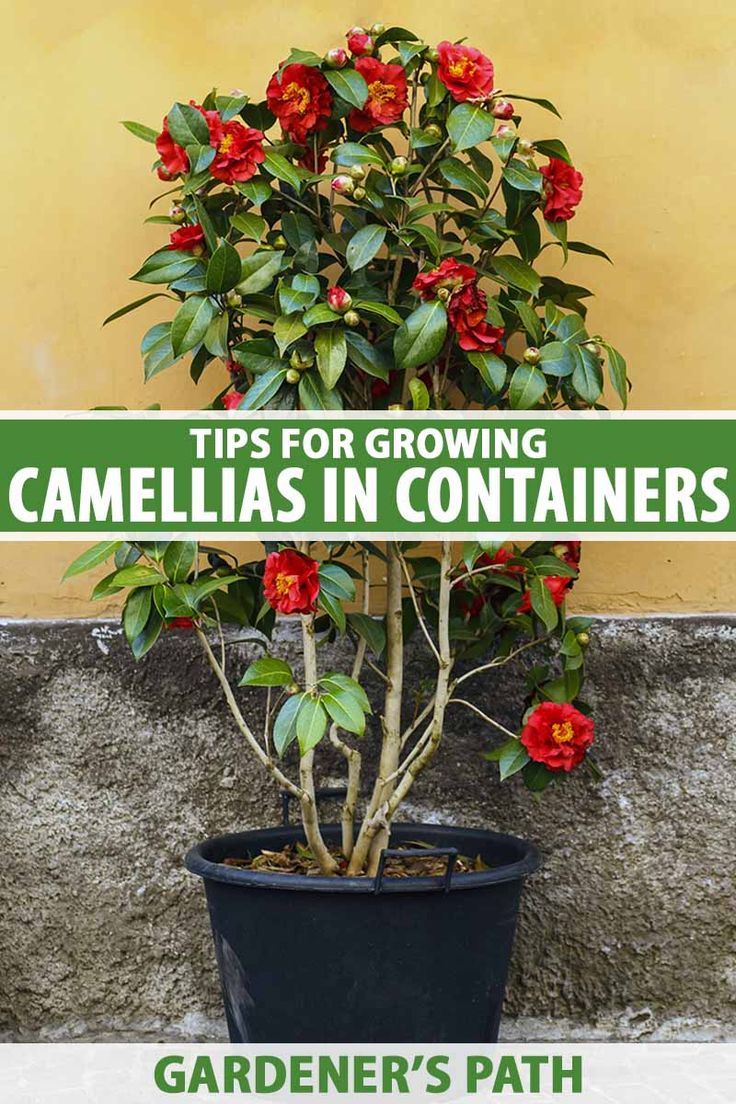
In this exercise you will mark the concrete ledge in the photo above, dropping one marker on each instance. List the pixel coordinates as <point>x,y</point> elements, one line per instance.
<point>110,770</point>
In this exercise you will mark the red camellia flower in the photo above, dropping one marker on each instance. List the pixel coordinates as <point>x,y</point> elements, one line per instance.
<point>450,274</point>
<point>239,153</point>
<point>562,191</point>
<point>232,400</point>
<point>465,71</point>
<point>180,623</point>
<point>301,100</point>
<point>467,306</point>
<point>558,735</point>
<point>190,238</point>
<point>467,311</point>
<point>290,582</point>
<point>387,95</point>
<point>174,158</point>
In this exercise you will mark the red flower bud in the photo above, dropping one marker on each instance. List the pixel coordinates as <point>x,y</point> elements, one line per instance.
<point>336,58</point>
<point>502,109</point>
<point>232,400</point>
<point>360,44</point>
<point>339,299</point>
<point>343,185</point>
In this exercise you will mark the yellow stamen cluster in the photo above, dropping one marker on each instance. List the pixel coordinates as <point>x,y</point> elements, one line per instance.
<point>225,144</point>
<point>562,733</point>
<point>381,92</point>
<point>463,67</point>
<point>298,97</point>
<point>283,582</point>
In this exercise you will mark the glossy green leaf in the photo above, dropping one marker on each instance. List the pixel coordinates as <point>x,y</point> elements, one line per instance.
<point>617,374</point>
<point>349,85</point>
<point>345,712</point>
<point>91,557</point>
<point>353,153</point>
<point>313,395</point>
<point>188,126</point>
<point>458,175</point>
<point>134,306</point>
<point>138,575</point>
<point>380,310</point>
<point>521,177</point>
<point>268,671</point>
<point>421,336</point>
<point>164,266</point>
<point>331,350</point>
<point>258,271</point>
<point>364,245</point>
<point>371,629</point>
<point>145,133</point>
<point>224,269</point>
<point>372,359</point>
<point>526,388</point>
<point>556,359</point>
<point>179,559</point>
<point>136,613</point>
<point>277,165</point>
<point>543,603</point>
<point>191,323</point>
<point>513,758</point>
<point>334,580</point>
<point>517,273</point>
<point>311,723</point>
<point>287,329</point>
<point>587,378</point>
<point>284,727</point>
<point>492,369</point>
<point>546,104</point>
<point>469,125</point>
<point>263,389</point>
<point>419,394</point>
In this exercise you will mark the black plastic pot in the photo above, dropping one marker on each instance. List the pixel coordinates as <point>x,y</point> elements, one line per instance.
<point>364,960</point>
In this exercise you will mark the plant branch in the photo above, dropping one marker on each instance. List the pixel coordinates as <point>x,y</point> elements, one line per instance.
<point>489,720</point>
<point>310,818</point>
<point>265,760</point>
<point>415,603</point>
<point>500,661</point>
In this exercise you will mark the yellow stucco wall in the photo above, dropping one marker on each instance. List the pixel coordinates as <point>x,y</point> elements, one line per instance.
<point>646,89</point>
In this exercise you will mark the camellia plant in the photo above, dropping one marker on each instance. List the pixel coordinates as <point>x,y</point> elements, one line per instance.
<point>371,234</point>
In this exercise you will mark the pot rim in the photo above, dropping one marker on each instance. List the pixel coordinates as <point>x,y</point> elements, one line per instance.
<point>528,861</point>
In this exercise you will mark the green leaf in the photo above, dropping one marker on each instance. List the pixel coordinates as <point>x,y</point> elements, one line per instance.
<point>587,378</point>
<point>371,359</point>
<point>556,359</point>
<point>311,723</point>
<point>513,758</point>
<point>134,306</point>
<point>352,153</point>
<point>517,273</point>
<point>257,191</point>
<point>200,158</point>
<point>224,268</point>
<point>571,329</point>
<point>157,350</point>
<point>364,245</point>
<point>492,369</point>
<point>334,580</point>
<point>521,177</point>
<point>147,134</point>
<point>91,557</point>
<point>583,247</point>
<point>345,712</point>
<point>543,603</point>
<point>263,389</point>
<point>284,727</point>
<point>617,373</point>
<point>191,323</point>
<point>349,85</point>
<point>258,271</point>
<point>530,320</point>
<point>215,340</point>
<point>546,104</point>
<point>319,315</point>
<point>187,126</point>
<point>268,671</point>
<point>537,777</point>
<point>164,266</point>
<point>469,125</point>
<point>421,336</point>
<point>553,147</point>
<point>331,606</point>
<point>313,395</point>
<point>419,394</point>
<point>527,387</point>
<point>371,629</point>
<point>143,643</point>
<point>332,353</point>
<point>138,575</point>
<point>136,613</point>
<point>179,558</point>
<point>287,329</point>
<point>277,165</point>
<point>380,310</point>
<point>457,174</point>
<point>334,682</point>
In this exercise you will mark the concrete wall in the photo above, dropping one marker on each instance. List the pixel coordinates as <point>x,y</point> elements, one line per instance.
<point>646,93</point>
<point>110,770</point>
